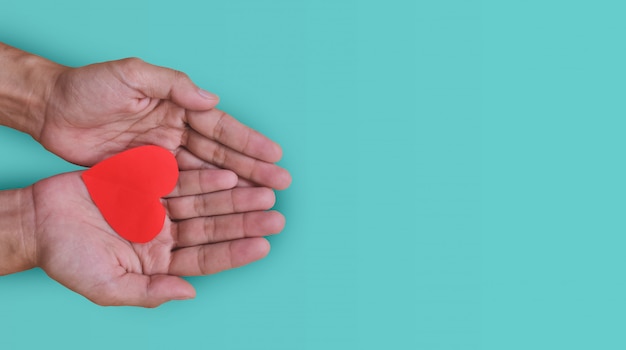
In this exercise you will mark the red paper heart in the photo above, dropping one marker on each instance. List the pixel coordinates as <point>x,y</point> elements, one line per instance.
<point>127,189</point>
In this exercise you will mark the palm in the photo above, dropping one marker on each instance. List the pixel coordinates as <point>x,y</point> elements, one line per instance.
<point>94,106</point>
<point>77,247</point>
<point>113,106</point>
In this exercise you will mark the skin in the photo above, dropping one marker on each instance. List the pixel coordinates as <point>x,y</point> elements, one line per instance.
<point>112,106</point>
<point>216,217</point>
<point>76,247</point>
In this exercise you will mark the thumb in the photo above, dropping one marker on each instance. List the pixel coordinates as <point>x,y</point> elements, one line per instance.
<point>167,84</point>
<point>151,291</point>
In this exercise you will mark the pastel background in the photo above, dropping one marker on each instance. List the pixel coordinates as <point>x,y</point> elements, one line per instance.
<point>458,172</point>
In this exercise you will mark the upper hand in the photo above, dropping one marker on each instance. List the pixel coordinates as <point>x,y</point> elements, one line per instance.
<point>96,111</point>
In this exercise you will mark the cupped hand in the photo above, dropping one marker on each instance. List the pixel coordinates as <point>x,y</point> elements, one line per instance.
<point>210,226</point>
<point>96,111</point>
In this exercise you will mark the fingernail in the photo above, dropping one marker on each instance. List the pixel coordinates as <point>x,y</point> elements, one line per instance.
<point>208,95</point>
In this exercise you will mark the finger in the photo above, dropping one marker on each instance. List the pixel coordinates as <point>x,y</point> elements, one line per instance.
<point>164,83</point>
<point>246,183</point>
<point>263,173</point>
<point>147,291</point>
<point>188,161</point>
<point>237,200</point>
<point>221,127</point>
<point>212,258</point>
<point>193,182</point>
<point>222,228</point>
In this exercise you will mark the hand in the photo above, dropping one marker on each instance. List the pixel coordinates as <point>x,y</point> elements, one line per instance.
<point>210,227</point>
<point>96,111</point>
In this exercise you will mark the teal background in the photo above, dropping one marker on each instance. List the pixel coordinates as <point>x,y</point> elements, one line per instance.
<point>458,172</point>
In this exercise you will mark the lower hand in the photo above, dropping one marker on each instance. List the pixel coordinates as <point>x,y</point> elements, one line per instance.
<point>210,226</point>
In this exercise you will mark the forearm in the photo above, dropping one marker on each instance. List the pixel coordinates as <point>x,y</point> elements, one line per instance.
<point>17,246</point>
<point>26,81</point>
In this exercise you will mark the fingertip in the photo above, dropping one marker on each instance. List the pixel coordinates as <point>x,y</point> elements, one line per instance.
<point>209,96</point>
<point>187,95</point>
<point>165,287</point>
<point>224,179</point>
<point>282,180</point>
<point>186,294</point>
<point>276,222</point>
<point>277,153</point>
<point>230,179</point>
<point>250,250</point>
<point>266,197</point>
<point>185,289</point>
<point>210,100</point>
<point>263,247</point>
<point>204,103</point>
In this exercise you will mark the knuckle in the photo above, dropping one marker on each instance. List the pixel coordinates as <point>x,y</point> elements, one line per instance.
<point>166,205</point>
<point>131,68</point>
<point>203,181</point>
<point>245,225</point>
<point>179,75</point>
<point>199,203</point>
<point>132,63</point>
<point>209,228</point>
<point>230,262</point>
<point>203,262</point>
<point>219,155</point>
<point>220,127</point>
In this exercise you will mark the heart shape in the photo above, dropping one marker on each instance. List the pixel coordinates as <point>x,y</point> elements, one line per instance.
<point>127,188</point>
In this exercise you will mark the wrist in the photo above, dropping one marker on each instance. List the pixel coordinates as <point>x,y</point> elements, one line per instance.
<point>26,84</point>
<point>17,231</point>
